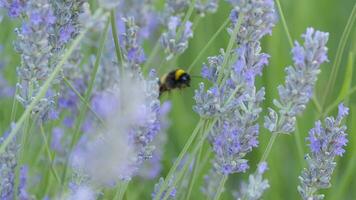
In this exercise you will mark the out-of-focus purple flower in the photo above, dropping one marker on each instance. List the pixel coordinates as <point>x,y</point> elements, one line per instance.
<point>300,82</point>
<point>57,135</point>
<point>204,7</point>
<point>23,194</point>
<point>211,182</point>
<point>104,104</point>
<point>68,121</point>
<point>325,142</point>
<point>130,128</point>
<point>82,193</point>
<point>14,7</point>
<point>256,185</point>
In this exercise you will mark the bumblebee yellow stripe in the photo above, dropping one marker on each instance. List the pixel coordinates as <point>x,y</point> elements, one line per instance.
<point>179,73</point>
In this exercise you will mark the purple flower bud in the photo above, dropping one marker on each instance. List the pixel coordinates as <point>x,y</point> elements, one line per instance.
<point>65,33</point>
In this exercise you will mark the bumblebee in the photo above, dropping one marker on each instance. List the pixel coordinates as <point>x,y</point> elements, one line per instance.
<point>176,79</point>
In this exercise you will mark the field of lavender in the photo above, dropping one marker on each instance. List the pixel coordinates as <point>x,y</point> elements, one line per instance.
<point>93,106</point>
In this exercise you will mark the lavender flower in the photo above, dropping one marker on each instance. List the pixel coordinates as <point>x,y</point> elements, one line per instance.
<point>233,99</point>
<point>236,104</point>
<point>133,52</point>
<point>34,46</point>
<point>152,168</point>
<point>8,163</point>
<point>256,185</point>
<point>157,187</point>
<point>300,82</point>
<point>258,19</point>
<point>175,40</point>
<point>325,142</point>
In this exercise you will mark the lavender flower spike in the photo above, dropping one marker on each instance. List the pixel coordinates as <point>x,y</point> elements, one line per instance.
<point>259,17</point>
<point>8,163</point>
<point>300,82</point>
<point>325,142</point>
<point>173,41</point>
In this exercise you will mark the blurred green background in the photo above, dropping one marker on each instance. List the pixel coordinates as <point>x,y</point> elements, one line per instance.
<point>285,161</point>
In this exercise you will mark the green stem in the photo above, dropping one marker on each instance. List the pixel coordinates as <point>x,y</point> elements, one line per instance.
<point>86,97</point>
<point>298,142</point>
<point>221,187</point>
<point>212,39</point>
<point>82,99</point>
<point>151,57</point>
<point>114,29</point>
<point>336,103</point>
<point>49,154</point>
<point>269,147</point>
<point>14,106</point>
<point>339,53</point>
<point>178,178</point>
<point>179,159</point>
<point>285,27</point>
<point>194,173</point>
<point>230,45</point>
<point>317,104</point>
<point>345,179</point>
<point>121,191</point>
<point>44,88</point>
<point>197,147</point>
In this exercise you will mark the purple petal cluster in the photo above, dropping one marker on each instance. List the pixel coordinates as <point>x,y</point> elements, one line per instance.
<point>300,82</point>
<point>256,185</point>
<point>174,40</point>
<point>14,7</point>
<point>8,163</point>
<point>325,142</point>
<point>258,19</point>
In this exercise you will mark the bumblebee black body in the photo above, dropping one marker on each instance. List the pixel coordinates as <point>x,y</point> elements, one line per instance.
<point>176,79</point>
